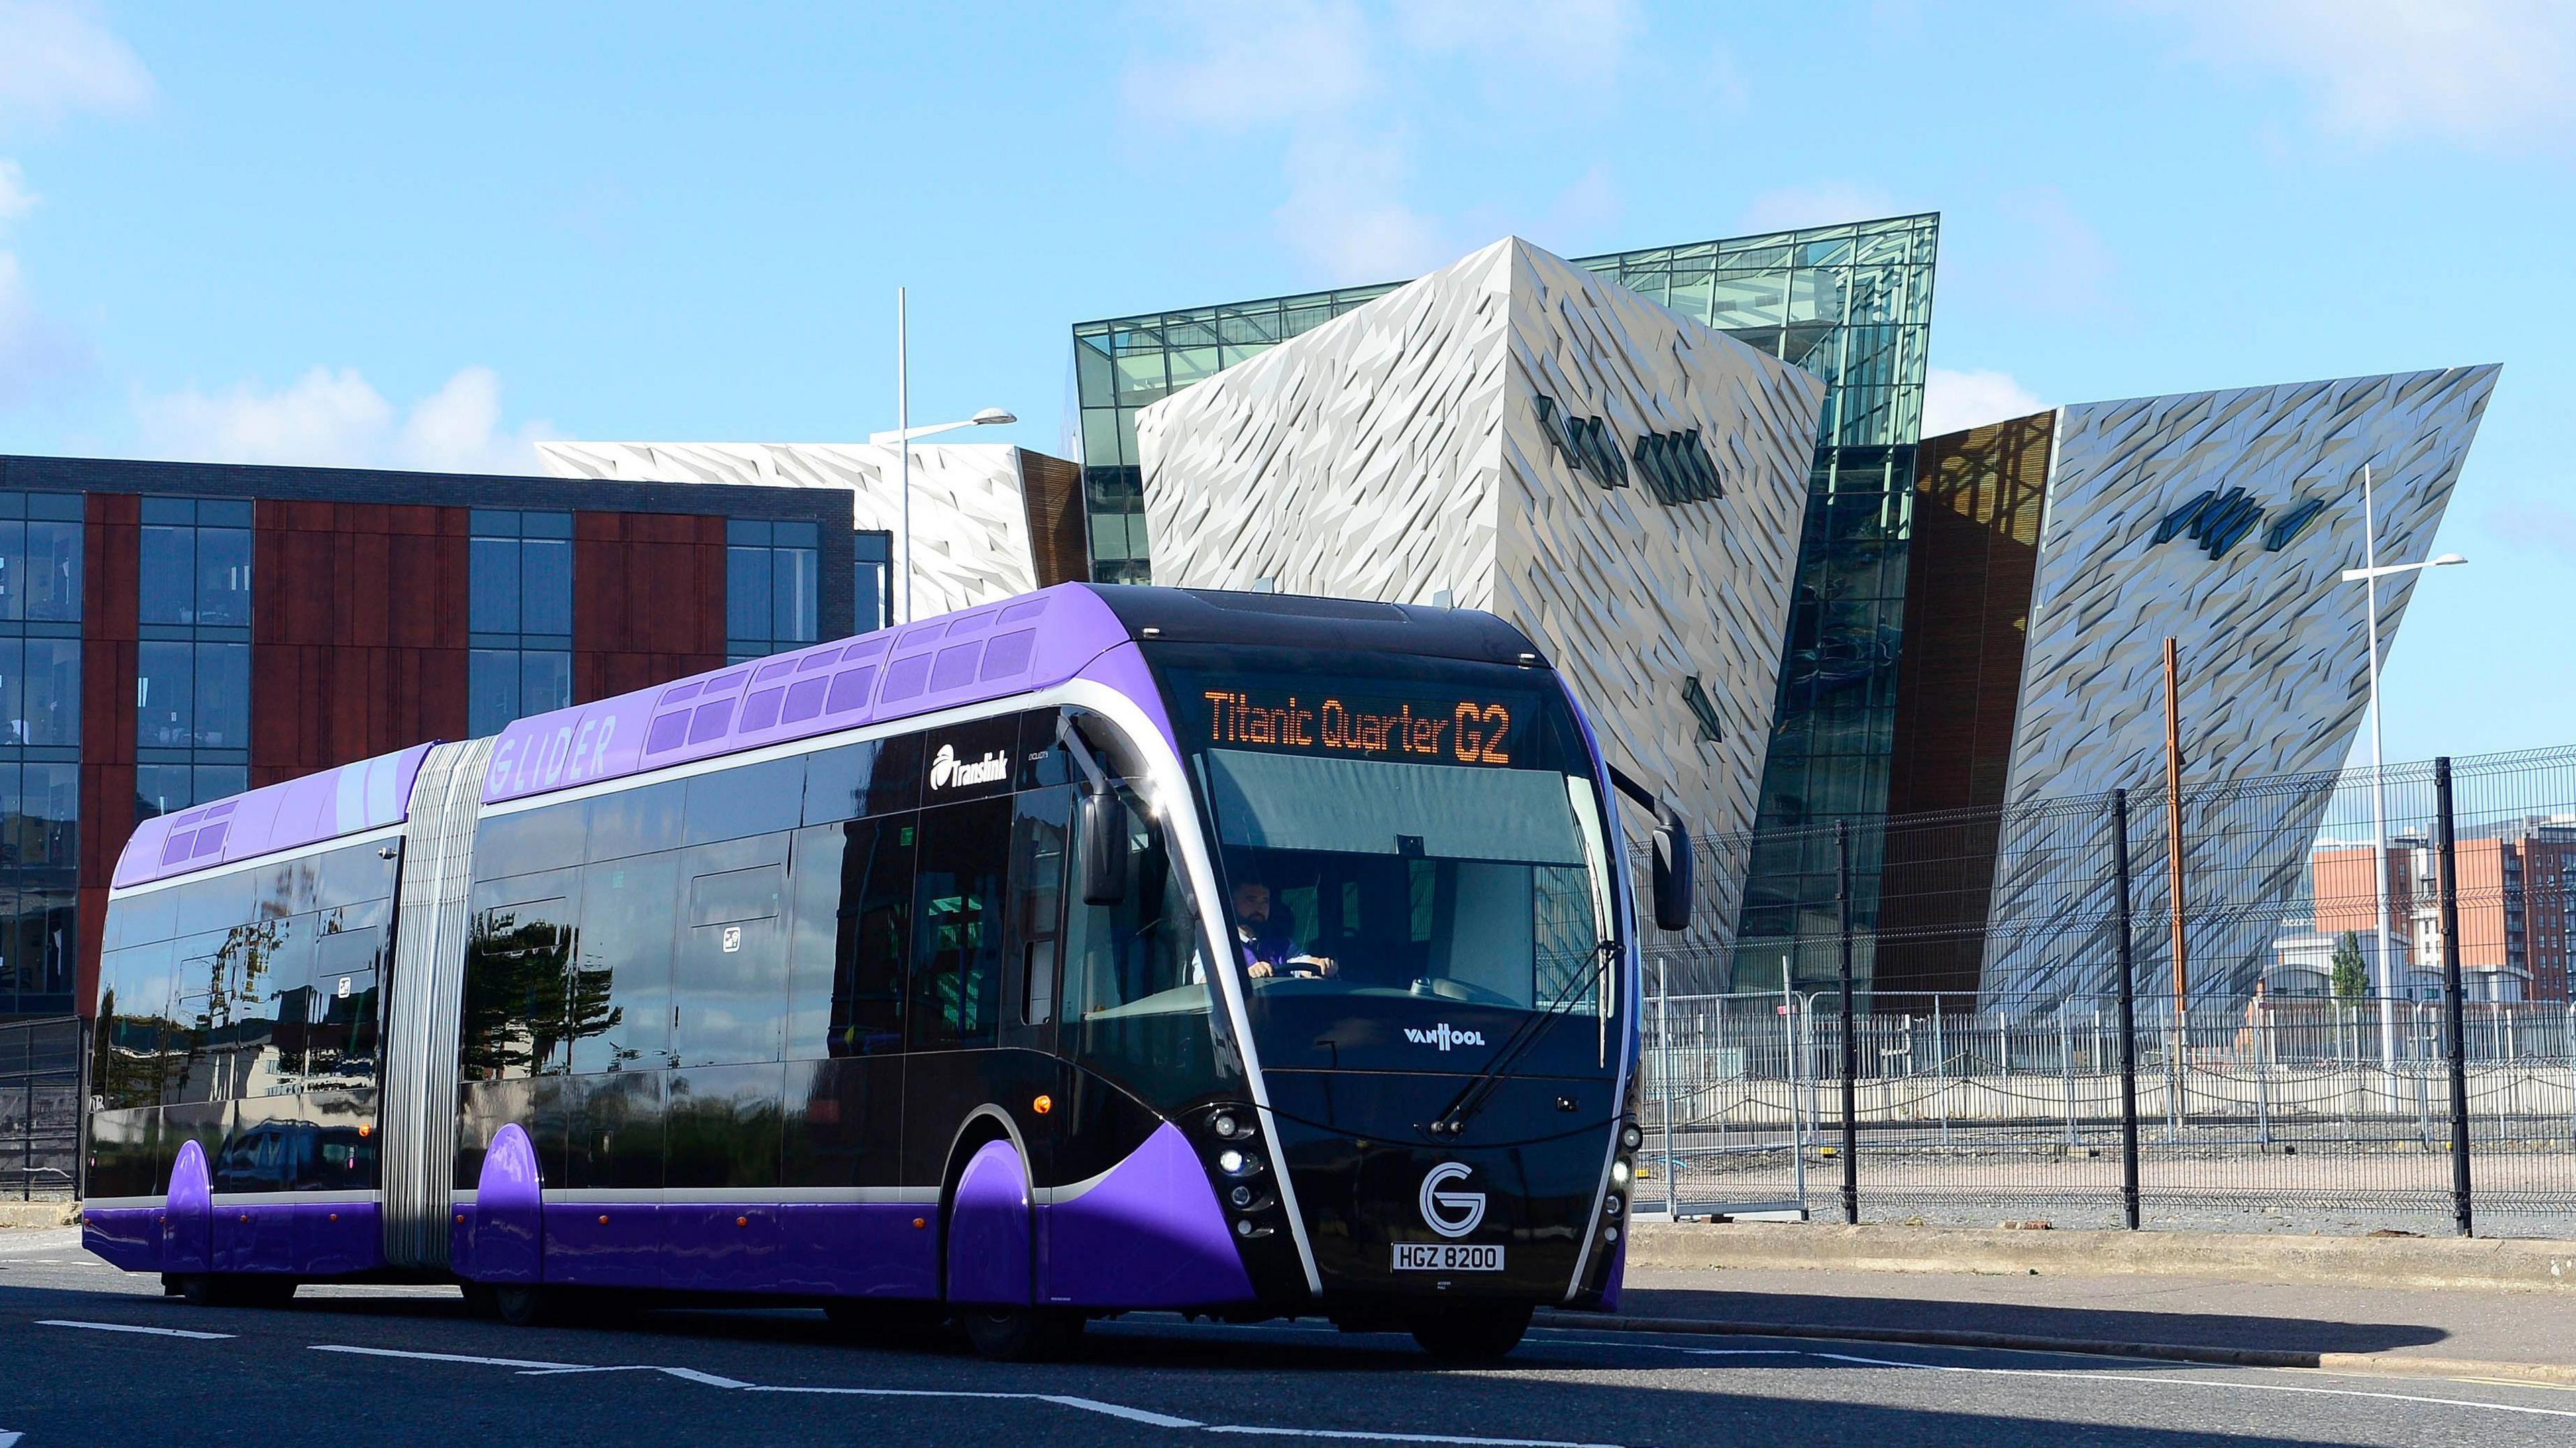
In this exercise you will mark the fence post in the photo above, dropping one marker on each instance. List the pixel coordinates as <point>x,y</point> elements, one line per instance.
<point>1664,1055</point>
<point>2262,1071</point>
<point>1789,1022</point>
<point>1851,1057</point>
<point>2454,1024</point>
<point>2128,1010</point>
<point>2066,1071</point>
<point>1941,1070</point>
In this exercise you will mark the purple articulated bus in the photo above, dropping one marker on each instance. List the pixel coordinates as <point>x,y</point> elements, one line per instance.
<point>1104,950</point>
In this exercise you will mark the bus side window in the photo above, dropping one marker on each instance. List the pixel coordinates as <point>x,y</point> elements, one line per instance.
<point>730,986</point>
<point>618,1016</point>
<point>1037,876</point>
<point>342,1045</point>
<point>515,966</point>
<point>134,1008</point>
<point>872,934</point>
<point>957,920</point>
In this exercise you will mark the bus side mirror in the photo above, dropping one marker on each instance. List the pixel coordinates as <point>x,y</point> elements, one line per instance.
<point>1672,872</point>
<point>1101,842</point>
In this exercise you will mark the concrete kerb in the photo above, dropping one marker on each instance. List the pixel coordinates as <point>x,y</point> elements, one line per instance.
<point>39,1214</point>
<point>2483,1263</point>
<point>2390,1364</point>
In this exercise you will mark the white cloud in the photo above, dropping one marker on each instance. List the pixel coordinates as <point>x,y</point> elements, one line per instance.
<point>37,354</point>
<point>339,419</point>
<point>2381,70</point>
<point>1346,211</point>
<point>1953,401</point>
<point>1821,203</point>
<point>56,58</point>
<point>1256,65</point>
<point>1573,42</point>
<point>1336,83</point>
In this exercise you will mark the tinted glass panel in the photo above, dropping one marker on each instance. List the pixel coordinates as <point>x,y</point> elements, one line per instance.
<point>730,985</point>
<point>812,928</point>
<point>958,904</point>
<point>637,821</point>
<point>548,837</point>
<point>863,779</point>
<point>545,590</point>
<point>515,964</point>
<point>621,989</point>
<point>348,964</point>
<point>874,935</point>
<point>754,799</point>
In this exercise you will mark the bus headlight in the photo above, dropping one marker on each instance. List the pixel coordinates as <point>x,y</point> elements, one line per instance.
<point>1619,1171</point>
<point>1241,1196</point>
<point>1227,1128</point>
<point>1237,1163</point>
<point>1610,1206</point>
<point>1630,1137</point>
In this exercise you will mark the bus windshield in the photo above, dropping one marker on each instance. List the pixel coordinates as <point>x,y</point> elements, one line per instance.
<point>1414,860</point>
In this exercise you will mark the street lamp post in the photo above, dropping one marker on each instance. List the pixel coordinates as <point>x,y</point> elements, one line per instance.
<point>2368,575</point>
<point>904,432</point>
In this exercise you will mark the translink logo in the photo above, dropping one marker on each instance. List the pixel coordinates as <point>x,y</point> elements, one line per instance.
<point>1443,1037</point>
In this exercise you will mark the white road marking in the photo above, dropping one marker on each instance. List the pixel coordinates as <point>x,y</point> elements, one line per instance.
<point>130,1327</point>
<point>439,1357</point>
<point>2061,1374</point>
<point>8,1439</point>
<point>1120,1410</point>
<point>1366,1436</point>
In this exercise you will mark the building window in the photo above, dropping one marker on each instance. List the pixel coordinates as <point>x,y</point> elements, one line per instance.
<point>40,662</point>
<point>872,581</point>
<point>771,586</point>
<point>192,655</point>
<point>518,618</point>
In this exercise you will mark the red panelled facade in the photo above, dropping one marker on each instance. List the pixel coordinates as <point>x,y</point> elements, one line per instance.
<point>358,640</point>
<point>648,599</point>
<point>111,539</point>
<point>357,630</point>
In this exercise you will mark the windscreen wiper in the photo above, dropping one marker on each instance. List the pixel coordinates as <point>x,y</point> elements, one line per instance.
<point>1480,1088</point>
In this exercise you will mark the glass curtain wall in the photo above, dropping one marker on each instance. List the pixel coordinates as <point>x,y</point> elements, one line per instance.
<point>872,580</point>
<point>192,658</point>
<point>772,593</point>
<point>1853,304</point>
<point>519,617</point>
<point>40,659</point>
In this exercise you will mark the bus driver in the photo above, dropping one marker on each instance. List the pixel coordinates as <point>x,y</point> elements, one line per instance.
<point>1263,937</point>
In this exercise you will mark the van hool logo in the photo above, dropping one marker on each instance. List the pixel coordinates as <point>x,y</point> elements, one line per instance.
<point>1677,468</point>
<point>1451,1214</point>
<point>2219,521</point>
<point>1443,1037</point>
<point>947,769</point>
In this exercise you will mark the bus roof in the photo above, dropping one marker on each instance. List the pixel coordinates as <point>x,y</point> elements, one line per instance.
<point>973,655</point>
<point>348,800</point>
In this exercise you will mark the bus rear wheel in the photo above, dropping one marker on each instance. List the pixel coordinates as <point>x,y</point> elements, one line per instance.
<point>1020,1334</point>
<point>1483,1335</point>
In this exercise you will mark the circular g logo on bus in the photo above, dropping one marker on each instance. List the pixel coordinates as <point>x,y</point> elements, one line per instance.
<point>1451,1214</point>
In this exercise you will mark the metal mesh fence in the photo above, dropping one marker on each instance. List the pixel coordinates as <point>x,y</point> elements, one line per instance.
<point>40,1108</point>
<point>2292,1027</point>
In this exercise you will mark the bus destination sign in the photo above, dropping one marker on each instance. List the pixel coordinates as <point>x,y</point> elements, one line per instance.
<point>1447,731</point>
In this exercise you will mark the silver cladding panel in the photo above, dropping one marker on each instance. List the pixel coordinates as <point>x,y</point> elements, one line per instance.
<point>968,512</point>
<point>428,991</point>
<point>1396,453</point>
<point>2272,644</point>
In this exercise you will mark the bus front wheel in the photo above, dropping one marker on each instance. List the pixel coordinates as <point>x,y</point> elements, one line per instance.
<point>1020,1334</point>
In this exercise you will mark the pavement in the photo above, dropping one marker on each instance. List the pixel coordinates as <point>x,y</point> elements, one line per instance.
<point>100,1357</point>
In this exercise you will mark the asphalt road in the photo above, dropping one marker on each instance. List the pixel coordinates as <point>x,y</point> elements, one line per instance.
<point>95,1357</point>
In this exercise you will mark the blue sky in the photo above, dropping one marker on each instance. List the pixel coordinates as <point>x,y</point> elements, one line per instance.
<point>324,233</point>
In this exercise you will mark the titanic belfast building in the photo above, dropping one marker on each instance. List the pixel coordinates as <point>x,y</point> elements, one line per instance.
<point>1696,475</point>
